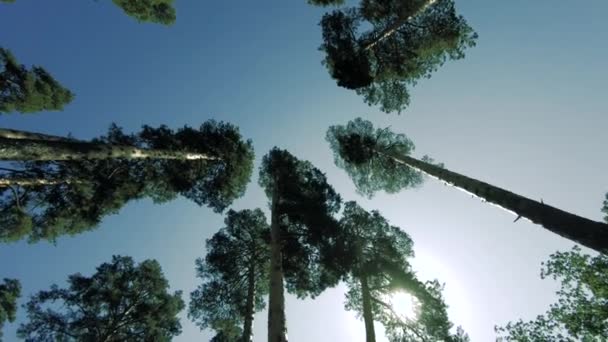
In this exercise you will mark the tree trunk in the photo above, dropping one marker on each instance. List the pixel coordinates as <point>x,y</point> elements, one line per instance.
<point>33,149</point>
<point>389,31</point>
<point>368,317</point>
<point>15,134</point>
<point>586,232</point>
<point>249,308</point>
<point>4,182</point>
<point>277,326</point>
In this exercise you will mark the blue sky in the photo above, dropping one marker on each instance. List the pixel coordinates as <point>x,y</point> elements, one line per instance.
<point>526,110</point>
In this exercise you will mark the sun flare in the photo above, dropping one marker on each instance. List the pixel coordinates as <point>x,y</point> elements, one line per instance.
<point>404,305</point>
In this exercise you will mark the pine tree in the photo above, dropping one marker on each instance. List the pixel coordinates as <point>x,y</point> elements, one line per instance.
<point>407,40</point>
<point>121,301</point>
<point>235,276</point>
<point>154,11</point>
<point>66,197</point>
<point>377,159</point>
<point>303,233</point>
<point>10,291</point>
<point>28,91</point>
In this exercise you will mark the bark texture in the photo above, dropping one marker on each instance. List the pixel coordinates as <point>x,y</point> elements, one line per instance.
<point>368,318</point>
<point>589,233</point>
<point>35,149</point>
<point>277,325</point>
<point>248,326</point>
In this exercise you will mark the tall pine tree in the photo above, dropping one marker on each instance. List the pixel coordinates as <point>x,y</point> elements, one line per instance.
<point>72,196</point>
<point>378,159</point>
<point>235,276</point>
<point>303,232</point>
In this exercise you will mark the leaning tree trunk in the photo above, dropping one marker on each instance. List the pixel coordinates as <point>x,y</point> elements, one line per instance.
<point>15,134</point>
<point>35,149</point>
<point>587,232</point>
<point>394,27</point>
<point>368,318</point>
<point>249,307</point>
<point>31,182</point>
<point>277,326</point>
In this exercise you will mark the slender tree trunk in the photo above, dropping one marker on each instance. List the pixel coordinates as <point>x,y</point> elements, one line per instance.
<point>277,325</point>
<point>368,317</point>
<point>249,308</point>
<point>15,134</point>
<point>4,182</point>
<point>586,232</point>
<point>33,149</point>
<point>389,31</point>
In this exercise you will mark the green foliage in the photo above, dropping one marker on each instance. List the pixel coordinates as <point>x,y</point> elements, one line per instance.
<point>581,313</point>
<point>605,208</point>
<point>28,91</point>
<point>366,154</point>
<point>154,11</point>
<point>7,1</point>
<point>406,41</point>
<point>120,302</point>
<point>92,189</point>
<point>378,252</point>
<point>234,254</point>
<point>305,208</point>
<point>10,290</point>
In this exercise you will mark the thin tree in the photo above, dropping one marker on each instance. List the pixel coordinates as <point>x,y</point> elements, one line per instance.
<point>377,257</point>
<point>235,276</point>
<point>605,208</point>
<point>121,301</point>
<point>580,313</point>
<point>303,232</point>
<point>378,159</point>
<point>10,290</point>
<point>69,197</point>
<point>154,11</point>
<point>406,41</point>
<point>28,91</point>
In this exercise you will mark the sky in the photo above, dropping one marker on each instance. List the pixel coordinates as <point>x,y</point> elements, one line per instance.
<point>525,110</point>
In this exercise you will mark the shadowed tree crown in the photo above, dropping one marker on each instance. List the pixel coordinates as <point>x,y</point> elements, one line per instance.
<point>28,91</point>
<point>235,276</point>
<point>404,41</point>
<point>10,290</point>
<point>121,301</point>
<point>69,197</point>
<point>580,313</point>
<point>306,205</point>
<point>155,11</point>
<point>364,153</point>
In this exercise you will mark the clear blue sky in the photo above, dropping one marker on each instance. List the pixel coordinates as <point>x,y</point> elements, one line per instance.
<point>526,110</point>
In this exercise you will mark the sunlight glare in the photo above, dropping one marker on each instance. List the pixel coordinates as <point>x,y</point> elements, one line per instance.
<point>404,305</point>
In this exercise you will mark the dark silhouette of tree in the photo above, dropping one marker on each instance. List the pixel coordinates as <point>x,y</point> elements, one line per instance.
<point>377,256</point>
<point>154,11</point>
<point>605,208</point>
<point>120,302</point>
<point>28,91</point>
<point>235,277</point>
<point>72,196</point>
<point>406,41</point>
<point>303,232</point>
<point>326,2</point>
<point>378,159</point>
<point>580,313</point>
<point>10,290</point>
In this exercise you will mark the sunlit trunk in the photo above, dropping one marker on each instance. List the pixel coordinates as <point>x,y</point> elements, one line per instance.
<point>249,308</point>
<point>15,134</point>
<point>389,31</point>
<point>587,232</point>
<point>33,149</point>
<point>368,318</point>
<point>277,328</point>
<point>4,182</point>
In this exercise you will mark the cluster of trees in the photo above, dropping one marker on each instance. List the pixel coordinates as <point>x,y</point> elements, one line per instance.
<point>52,186</point>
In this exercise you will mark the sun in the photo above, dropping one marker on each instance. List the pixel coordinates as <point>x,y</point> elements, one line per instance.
<point>404,305</point>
